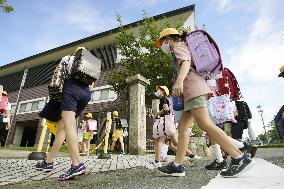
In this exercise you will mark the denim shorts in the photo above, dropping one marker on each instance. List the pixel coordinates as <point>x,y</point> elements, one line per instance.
<point>75,98</point>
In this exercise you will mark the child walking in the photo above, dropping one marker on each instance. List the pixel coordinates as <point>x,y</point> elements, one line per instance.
<point>195,92</point>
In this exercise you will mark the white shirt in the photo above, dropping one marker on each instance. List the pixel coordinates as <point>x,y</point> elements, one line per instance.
<point>8,106</point>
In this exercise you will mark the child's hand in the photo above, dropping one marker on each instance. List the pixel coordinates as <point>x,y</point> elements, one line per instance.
<point>177,89</point>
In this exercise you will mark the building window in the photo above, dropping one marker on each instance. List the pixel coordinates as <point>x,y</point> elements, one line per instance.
<point>23,107</point>
<point>41,104</point>
<point>96,95</point>
<point>34,105</point>
<point>30,106</point>
<point>103,94</point>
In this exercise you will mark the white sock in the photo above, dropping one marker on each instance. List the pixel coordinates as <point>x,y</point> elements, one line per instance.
<point>176,164</point>
<point>217,152</point>
<point>237,143</point>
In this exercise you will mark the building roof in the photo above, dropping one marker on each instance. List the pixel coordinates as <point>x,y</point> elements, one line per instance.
<point>91,42</point>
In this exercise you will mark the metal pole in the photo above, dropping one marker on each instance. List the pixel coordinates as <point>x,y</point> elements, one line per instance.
<point>17,104</point>
<point>260,111</point>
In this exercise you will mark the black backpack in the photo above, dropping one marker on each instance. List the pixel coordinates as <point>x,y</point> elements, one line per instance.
<point>244,112</point>
<point>117,123</point>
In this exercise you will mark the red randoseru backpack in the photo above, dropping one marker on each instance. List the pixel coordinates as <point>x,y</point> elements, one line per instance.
<point>229,85</point>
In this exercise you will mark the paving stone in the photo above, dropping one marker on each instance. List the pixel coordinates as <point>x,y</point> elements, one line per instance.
<point>21,170</point>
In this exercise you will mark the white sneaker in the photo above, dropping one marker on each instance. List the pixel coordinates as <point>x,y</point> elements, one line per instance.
<point>194,158</point>
<point>153,165</point>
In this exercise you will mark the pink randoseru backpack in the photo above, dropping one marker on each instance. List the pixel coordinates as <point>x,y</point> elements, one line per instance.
<point>3,104</point>
<point>205,53</point>
<point>92,125</point>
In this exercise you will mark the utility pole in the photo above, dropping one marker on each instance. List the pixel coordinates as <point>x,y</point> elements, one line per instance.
<point>260,111</point>
<point>17,104</point>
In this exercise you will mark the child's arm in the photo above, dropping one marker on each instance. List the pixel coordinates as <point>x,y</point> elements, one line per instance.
<point>183,71</point>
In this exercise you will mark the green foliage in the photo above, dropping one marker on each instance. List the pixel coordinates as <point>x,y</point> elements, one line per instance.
<point>263,137</point>
<point>5,7</point>
<point>273,133</point>
<point>196,130</point>
<point>141,56</point>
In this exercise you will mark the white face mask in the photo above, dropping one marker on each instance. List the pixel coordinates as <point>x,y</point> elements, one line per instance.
<point>158,94</point>
<point>166,47</point>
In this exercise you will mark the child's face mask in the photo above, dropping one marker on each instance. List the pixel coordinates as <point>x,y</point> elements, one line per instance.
<point>158,94</point>
<point>166,47</point>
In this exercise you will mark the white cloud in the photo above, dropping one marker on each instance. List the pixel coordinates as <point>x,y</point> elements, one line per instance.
<point>83,16</point>
<point>224,5</point>
<point>256,63</point>
<point>76,20</point>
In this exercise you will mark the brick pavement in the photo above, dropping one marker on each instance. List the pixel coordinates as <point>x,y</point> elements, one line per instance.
<point>21,169</point>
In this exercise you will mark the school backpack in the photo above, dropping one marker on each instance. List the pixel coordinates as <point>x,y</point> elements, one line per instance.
<point>244,112</point>
<point>279,122</point>
<point>55,88</point>
<point>92,125</point>
<point>117,123</point>
<point>205,54</point>
<point>3,104</point>
<point>221,109</point>
<point>86,67</point>
<point>165,126</point>
<point>228,84</point>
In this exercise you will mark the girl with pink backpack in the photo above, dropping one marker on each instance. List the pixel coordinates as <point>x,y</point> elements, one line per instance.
<point>191,84</point>
<point>164,126</point>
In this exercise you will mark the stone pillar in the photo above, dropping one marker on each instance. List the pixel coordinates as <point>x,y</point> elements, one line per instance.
<point>137,114</point>
<point>155,105</point>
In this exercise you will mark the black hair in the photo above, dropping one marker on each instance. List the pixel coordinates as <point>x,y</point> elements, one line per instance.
<point>181,37</point>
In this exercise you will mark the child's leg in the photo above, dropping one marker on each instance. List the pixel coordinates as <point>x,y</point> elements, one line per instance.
<point>121,143</point>
<point>157,148</point>
<point>113,144</point>
<point>88,145</point>
<point>203,121</point>
<point>174,143</point>
<point>71,136</point>
<point>59,139</point>
<point>84,146</point>
<point>182,146</point>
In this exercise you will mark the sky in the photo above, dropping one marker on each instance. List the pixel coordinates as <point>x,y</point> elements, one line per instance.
<point>250,35</point>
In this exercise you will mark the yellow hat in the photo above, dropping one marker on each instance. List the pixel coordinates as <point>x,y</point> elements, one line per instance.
<point>164,33</point>
<point>164,88</point>
<point>281,72</point>
<point>79,48</point>
<point>115,114</point>
<point>89,115</point>
<point>5,93</point>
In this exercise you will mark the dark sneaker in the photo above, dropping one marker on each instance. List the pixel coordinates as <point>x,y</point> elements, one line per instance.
<point>238,166</point>
<point>216,166</point>
<point>249,149</point>
<point>72,172</point>
<point>172,170</point>
<point>43,166</point>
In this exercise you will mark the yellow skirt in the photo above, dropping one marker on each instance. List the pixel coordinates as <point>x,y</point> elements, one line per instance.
<point>88,135</point>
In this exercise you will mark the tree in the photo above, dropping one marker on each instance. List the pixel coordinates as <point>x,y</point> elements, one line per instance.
<point>141,56</point>
<point>263,137</point>
<point>5,7</point>
<point>273,133</point>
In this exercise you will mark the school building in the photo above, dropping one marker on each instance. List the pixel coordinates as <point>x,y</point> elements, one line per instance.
<point>33,74</point>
